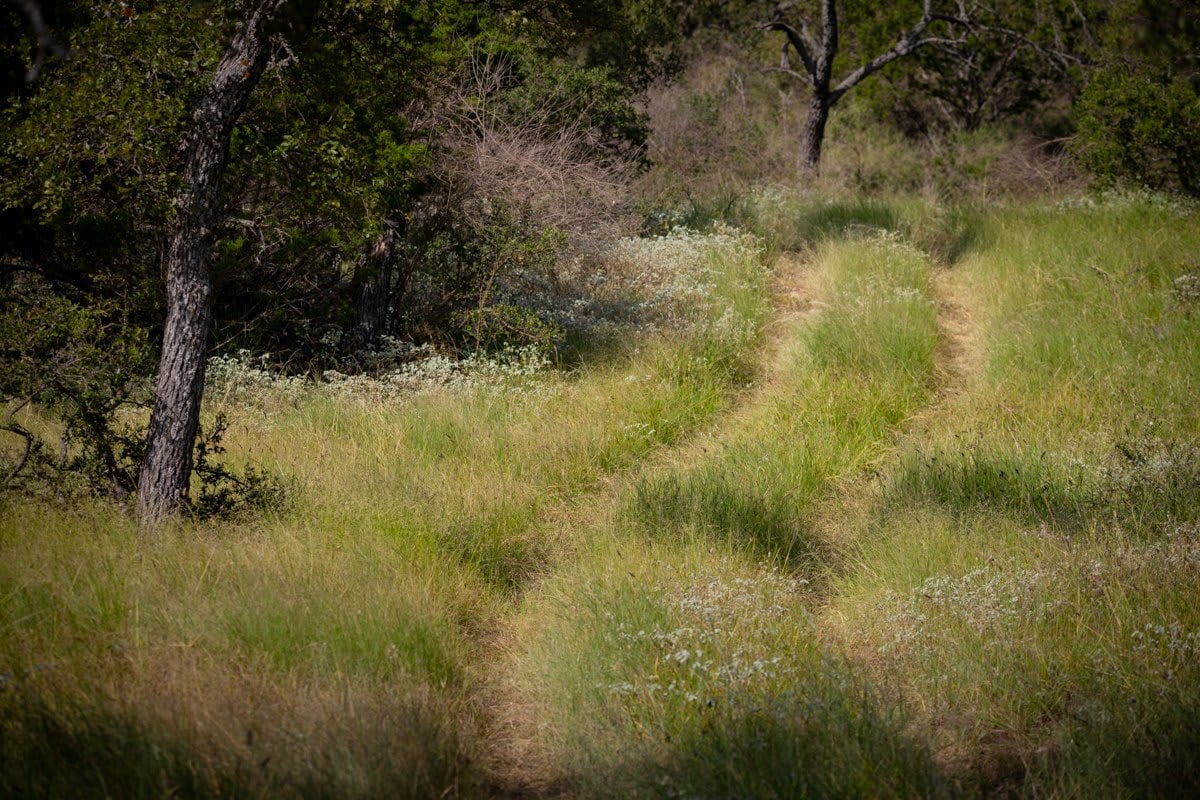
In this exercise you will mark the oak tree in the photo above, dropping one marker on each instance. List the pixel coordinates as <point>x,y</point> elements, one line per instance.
<point>167,469</point>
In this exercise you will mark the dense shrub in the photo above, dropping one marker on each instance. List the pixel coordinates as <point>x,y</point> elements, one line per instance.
<point>1138,127</point>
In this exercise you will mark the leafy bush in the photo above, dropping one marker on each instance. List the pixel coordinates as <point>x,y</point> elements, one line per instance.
<point>1139,115</point>
<point>73,380</point>
<point>66,372</point>
<point>1135,126</point>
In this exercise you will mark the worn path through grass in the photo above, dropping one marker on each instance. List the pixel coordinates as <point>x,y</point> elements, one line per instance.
<point>514,762</point>
<point>714,548</point>
<point>1018,570</point>
<point>928,526</point>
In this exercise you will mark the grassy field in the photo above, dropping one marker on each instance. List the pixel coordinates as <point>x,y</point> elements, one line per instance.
<point>883,499</point>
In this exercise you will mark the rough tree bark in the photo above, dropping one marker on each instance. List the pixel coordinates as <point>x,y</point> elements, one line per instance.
<point>817,56</point>
<point>373,288</point>
<point>166,470</point>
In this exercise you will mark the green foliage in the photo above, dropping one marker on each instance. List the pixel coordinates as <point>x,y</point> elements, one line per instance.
<point>589,98</point>
<point>1137,126</point>
<point>1139,115</point>
<point>475,275</point>
<point>81,367</point>
<point>1017,67</point>
<point>73,383</point>
<point>224,491</point>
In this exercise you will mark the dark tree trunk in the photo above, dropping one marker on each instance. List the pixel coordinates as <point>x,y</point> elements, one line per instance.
<point>373,279</point>
<point>814,133</point>
<point>817,56</point>
<point>166,470</point>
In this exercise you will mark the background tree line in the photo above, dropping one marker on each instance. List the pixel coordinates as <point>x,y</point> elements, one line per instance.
<point>415,172</point>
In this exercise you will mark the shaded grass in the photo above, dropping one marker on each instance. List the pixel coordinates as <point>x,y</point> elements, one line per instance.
<point>204,731</point>
<point>1015,482</point>
<point>797,221</point>
<point>685,669</point>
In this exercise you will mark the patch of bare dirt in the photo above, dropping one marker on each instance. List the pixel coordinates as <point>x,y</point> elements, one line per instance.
<point>960,356</point>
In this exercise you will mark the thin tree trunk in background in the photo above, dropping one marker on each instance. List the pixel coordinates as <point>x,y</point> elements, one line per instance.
<point>373,291</point>
<point>817,57</point>
<point>166,470</point>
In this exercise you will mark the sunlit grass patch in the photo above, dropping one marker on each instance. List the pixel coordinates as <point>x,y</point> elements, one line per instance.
<point>1057,642</point>
<point>856,370</point>
<point>689,669</point>
<point>1023,576</point>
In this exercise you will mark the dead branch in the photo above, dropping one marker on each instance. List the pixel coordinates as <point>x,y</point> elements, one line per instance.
<point>47,46</point>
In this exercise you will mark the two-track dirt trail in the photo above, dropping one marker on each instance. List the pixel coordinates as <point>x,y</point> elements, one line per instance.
<point>509,719</point>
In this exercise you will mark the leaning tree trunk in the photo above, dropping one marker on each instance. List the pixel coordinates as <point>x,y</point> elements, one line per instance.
<point>166,470</point>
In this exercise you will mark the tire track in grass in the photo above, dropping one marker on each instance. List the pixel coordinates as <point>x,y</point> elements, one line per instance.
<point>507,718</point>
<point>961,354</point>
<point>851,359</point>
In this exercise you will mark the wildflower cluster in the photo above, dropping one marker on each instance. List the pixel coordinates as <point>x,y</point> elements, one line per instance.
<point>991,601</point>
<point>1168,653</point>
<point>249,382</point>
<point>724,640</point>
<point>1124,199</point>
<point>674,275</point>
<point>1005,615</point>
<point>1187,289</point>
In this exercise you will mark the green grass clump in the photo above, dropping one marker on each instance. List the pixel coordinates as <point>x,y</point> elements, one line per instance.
<point>1025,573</point>
<point>862,365</point>
<point>686,669</point>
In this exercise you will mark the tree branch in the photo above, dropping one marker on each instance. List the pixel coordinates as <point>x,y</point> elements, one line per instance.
<point>47,47</point>
<point>796,40</point>
<point>1063,59</point>
<point>791,73</point>
<point>908,42</point>
<point>12,426</point>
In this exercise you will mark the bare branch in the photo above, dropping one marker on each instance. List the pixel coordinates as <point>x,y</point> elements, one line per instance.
<point>24,459</point>
<point>548,169</point>
<point>796,40</point>
<point>908,42</point>
<point>12,426</point>
<point>47,47</point>
<point>791,73</point>
<point>1063,59</point>
<point>799,40</point>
